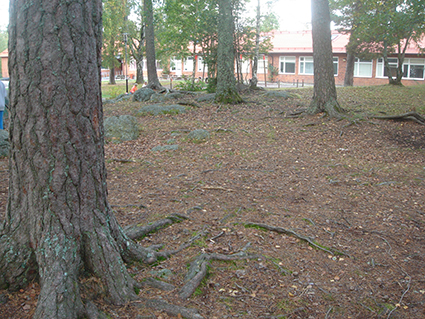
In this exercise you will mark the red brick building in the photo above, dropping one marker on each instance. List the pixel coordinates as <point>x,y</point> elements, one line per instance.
<point>292,55</point>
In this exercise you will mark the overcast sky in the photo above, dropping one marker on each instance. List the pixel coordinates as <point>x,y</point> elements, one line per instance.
<point>294,14</point>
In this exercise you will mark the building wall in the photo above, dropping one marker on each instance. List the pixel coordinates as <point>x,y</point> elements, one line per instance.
<point>4,68</point>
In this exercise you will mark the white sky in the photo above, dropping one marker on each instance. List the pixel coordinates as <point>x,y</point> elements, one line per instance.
<point>294,14</point>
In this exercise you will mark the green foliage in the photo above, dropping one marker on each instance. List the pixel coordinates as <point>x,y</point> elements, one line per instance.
<point>212,85</point>
<point>190,85</point>
<point>273,72</point>
<point>381,27</point>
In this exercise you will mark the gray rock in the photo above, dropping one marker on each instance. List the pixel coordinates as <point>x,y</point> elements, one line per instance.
<point>157,97</point>
<point>165,148</point>
<point>4,143</point>
<point>121,128</point>
<point>143,94</point>
<point>280,94</point>
<point>206,98</point>
<point>198,135</point>
<point>156,109</point>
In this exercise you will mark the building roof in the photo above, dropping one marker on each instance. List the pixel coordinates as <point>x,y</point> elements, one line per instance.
<point>302,42</point>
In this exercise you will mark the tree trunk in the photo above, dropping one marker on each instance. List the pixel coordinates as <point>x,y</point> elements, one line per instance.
<point>349,71</point>
<point>254,80</point>
<point>226,88</point>
<point>153,81</point>
<point>112,76</point>
<point>140,79</point>
<point>58,221</point>
<point>324,97</point>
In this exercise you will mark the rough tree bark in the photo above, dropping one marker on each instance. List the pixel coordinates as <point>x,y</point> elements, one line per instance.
<point>226,86</point>
<point>325,96</point>
<point>153,81</point>
<point>349,71</point>
<point>58,222</point>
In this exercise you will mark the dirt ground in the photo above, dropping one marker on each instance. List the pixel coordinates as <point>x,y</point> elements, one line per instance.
<point>354,189</point>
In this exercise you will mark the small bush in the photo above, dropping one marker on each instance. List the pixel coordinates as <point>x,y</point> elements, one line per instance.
<point>189,85</point>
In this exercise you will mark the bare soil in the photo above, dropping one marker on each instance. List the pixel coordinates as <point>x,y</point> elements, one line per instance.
<point>357,188</point>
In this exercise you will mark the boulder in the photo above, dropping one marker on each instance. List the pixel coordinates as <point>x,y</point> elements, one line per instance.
<point>280,94</point>
<point>206,98</point>
<point>143,94</point>
<point>156,109</point>
<point>158,97</point>
<point>162,148</point>
<point>198,135</point>
<point>121,128</point>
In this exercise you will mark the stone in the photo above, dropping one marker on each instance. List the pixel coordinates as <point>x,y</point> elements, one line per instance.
<point>157,97</point>
<point>121,128</point>
<point>143,95</point>
<point>160,148</point>
<point>280,94</point>
<point>206,98</point>
<point>156,109</point>
<point>198,135</point>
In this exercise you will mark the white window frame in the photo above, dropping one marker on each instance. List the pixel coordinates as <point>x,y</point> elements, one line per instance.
<point>380,66</point>
<point>358,64</point>
<point>260,66</point>
<point>303,60</point>
<point>335,61</point>
<point>407,67</point>
<point>188,64</point>
<point>284,61</point>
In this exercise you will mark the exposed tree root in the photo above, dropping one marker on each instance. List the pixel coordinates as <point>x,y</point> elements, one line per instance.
<point>300,237</point>
<point>409,116</point>
<point>136,232</point>
<point>199,267</point>
<point>170,309</point>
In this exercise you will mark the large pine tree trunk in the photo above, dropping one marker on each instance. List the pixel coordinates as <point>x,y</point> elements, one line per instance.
<point>153,81</point>
<point>324,97</point>
<point>226,86</point>
<point>58,221</point>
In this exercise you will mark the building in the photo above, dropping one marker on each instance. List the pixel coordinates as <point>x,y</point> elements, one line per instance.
<point>292,58</point>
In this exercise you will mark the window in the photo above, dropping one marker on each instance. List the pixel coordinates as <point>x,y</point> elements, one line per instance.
<point>413,69</point>
<point>287,64</point>
<point>261,63</point>
<point>201,64</point>
<point>381,70</point>
<point>335,61</point>
<point>306,65</point>
<point>362,68</point>
<point>188,64</point>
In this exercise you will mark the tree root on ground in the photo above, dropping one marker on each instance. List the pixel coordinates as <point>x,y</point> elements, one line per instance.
<point>409,116</point>
<point>300,237</point>
<point>170,309</point>
<point>199,268</point>
<point>136,232</point>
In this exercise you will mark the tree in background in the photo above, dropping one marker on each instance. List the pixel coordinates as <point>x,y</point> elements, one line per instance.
<point>153,81</point>
<point>115,13</point>
<point>325,96</point>
<point>346,15</point>
<point>226,88</point>
<point>58,224</point>
<point>137,41</point>
<point>382,28</point>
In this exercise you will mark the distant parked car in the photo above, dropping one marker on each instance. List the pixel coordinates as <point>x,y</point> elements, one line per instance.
<point>5,82</point>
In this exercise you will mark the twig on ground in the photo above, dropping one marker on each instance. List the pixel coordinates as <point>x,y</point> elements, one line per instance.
<point>294,234</point>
